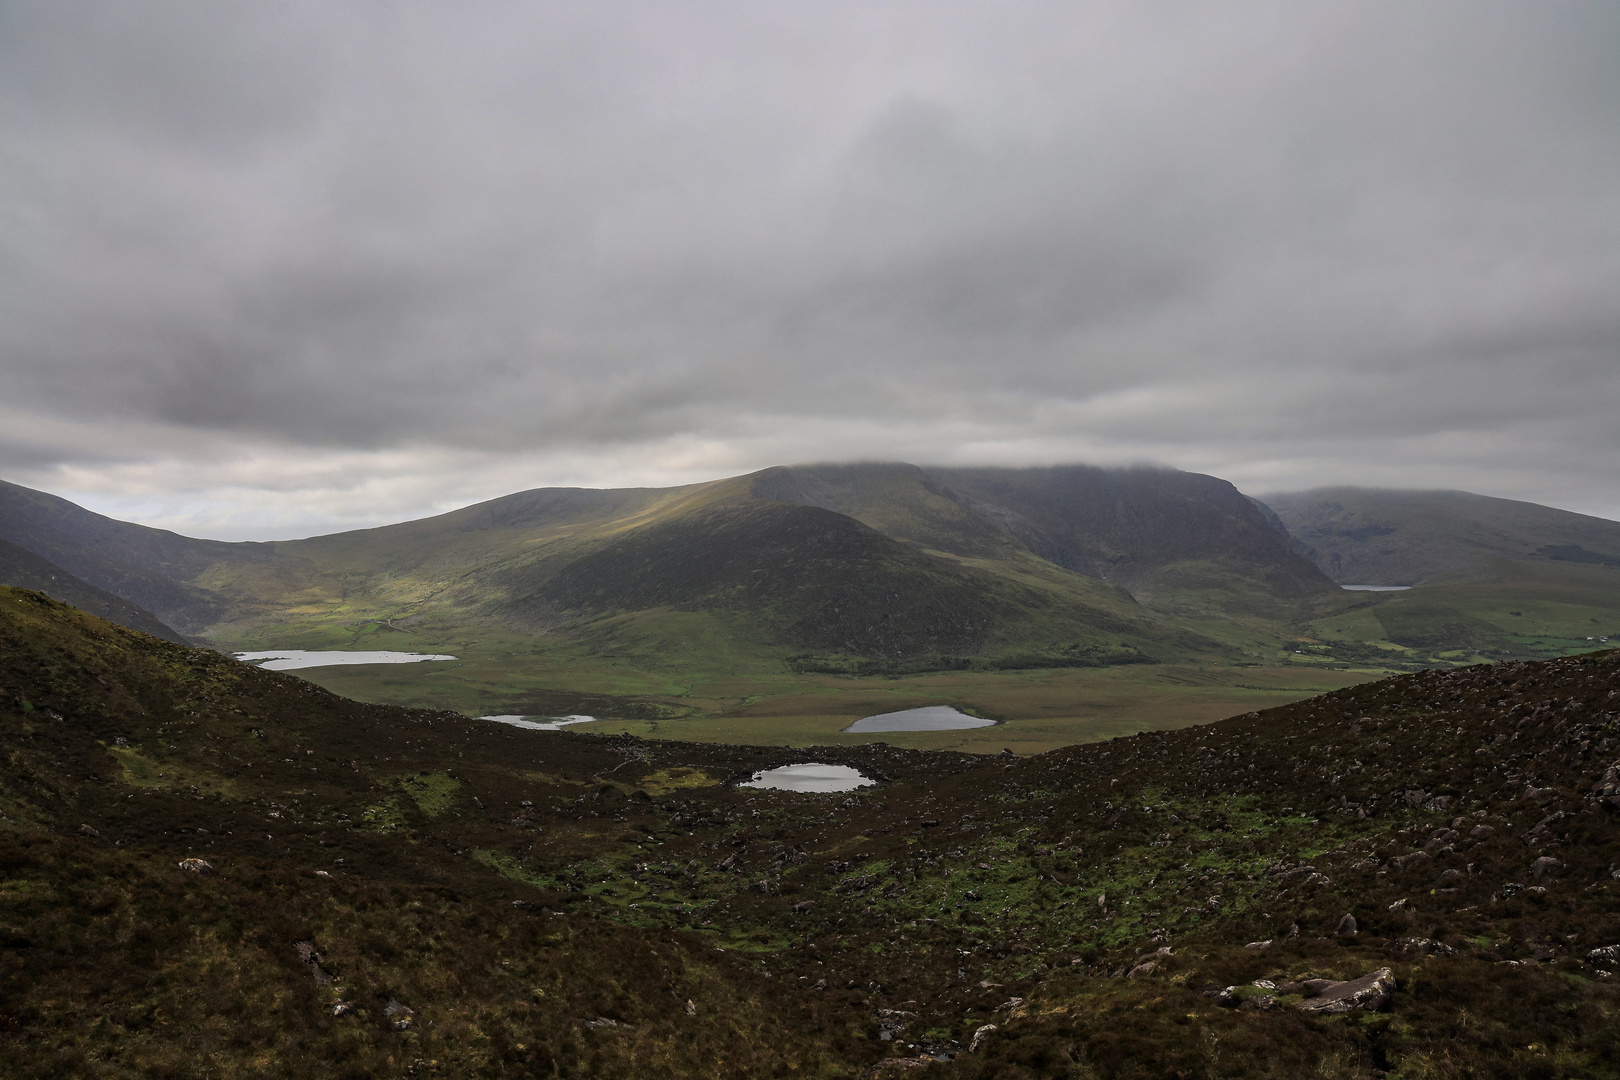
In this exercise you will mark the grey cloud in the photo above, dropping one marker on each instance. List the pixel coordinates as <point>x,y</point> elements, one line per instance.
<point>1233,232</point>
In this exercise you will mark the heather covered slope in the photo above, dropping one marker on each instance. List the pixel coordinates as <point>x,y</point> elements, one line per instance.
<point>1463,819</point>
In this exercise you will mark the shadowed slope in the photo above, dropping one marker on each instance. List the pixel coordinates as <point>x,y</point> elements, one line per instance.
<point>23,569</point>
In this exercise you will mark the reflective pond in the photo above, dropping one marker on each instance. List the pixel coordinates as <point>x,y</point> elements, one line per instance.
<point>927,718</point>
<point>811,776</point>
<point>541,723</point>
<point>293,659</point>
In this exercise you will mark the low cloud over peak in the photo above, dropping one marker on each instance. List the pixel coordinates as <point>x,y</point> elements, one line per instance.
<point>290,267</point>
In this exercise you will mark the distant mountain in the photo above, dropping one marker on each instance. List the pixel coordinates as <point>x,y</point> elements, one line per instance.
<point>23,569</point>
<point>151,568</point>
<point>886,561</point>
<point>1371,536</point>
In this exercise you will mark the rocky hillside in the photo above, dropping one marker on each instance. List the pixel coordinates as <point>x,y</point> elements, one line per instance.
<point>205,862</point>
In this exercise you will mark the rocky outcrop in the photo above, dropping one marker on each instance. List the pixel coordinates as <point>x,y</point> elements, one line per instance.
<point>1369,992</point>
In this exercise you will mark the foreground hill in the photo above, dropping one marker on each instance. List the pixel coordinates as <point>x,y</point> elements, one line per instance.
<point>393,892</point>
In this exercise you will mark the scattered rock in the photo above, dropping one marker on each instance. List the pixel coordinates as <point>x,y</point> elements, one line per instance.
<point>1010,1003</point>
<point>1370,992</point>
<point>803,907</point>
<point>401,1015</point>
<point>980,1035</point>
<point>1401,862</point>
<point>603,1022</point>
<point>1416,946</point>
<point>1606,957</point>
<point>1347,926</point>
<point>196,866</point>
<point>691,1006</point>
<point>1143,969</point>
<point>85,830</point>
<point>1480,832</point>
<point>1542,832</point>
<point>341,1008</point>
<point>1545,867</point>
<point>1258,944</point>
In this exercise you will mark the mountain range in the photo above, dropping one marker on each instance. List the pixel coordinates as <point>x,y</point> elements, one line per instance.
<point>878,569</point>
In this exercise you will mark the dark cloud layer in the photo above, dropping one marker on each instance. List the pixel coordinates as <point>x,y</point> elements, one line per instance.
<point>279,267</point>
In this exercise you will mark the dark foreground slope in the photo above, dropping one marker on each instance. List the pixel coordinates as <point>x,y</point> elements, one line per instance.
<point>476,900</point>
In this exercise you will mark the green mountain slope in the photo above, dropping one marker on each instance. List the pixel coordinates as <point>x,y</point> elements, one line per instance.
<point>23,569</point>
<point>392,892</point>
<point>150,568</point>
<point>1377,537</point>
<point>1493,577</point>
<point>895,563</point>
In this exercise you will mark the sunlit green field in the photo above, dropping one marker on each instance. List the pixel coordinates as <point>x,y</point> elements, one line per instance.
<point>697,676</point>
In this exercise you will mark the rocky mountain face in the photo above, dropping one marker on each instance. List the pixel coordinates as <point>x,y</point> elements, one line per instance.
<point>206,861</point>
<point>1119,525</point>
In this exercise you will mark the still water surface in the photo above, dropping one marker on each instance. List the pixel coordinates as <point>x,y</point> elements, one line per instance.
<point>1376,588</point>
<point>927,718</point>
<point>541,723</point>
<point>811,776</point>
<point>293,659</point>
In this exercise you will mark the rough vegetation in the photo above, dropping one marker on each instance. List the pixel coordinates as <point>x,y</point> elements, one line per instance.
<point>209,869</point>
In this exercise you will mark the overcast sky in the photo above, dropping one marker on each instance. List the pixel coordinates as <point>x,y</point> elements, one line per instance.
<point>276,269</point>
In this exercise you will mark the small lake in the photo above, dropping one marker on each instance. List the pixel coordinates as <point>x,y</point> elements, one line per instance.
<point>811,776</point>
<point>541,723</point>
<point>1376,588</point>
<point>927,718</point>
<point>293,659</point>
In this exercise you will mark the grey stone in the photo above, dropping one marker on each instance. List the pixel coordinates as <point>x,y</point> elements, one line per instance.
<point>1369,992</point>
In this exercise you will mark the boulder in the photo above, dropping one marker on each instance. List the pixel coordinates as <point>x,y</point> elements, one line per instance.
<point>1606,957</point>
<point>1347,925</point>
<point>980,1035</point>
<point>1417,946</point>
<point>1545,867</point>
<point>1369,992</point>
<point>1401,862</point>
<point>196,866</point>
